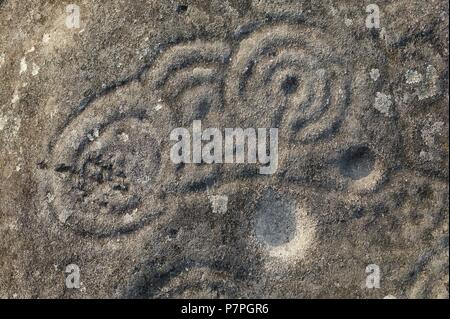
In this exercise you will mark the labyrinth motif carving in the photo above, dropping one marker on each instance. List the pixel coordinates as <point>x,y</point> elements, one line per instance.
<point>343,170</point>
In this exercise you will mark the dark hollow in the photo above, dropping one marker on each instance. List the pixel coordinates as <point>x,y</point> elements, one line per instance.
<point>357,162</point>
<point>289,85</point>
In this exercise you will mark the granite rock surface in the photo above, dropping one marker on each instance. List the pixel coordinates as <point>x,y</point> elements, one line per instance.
<point>91,90</point>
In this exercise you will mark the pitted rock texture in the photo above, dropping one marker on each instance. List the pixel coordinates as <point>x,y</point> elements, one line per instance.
<point>86,112</point>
